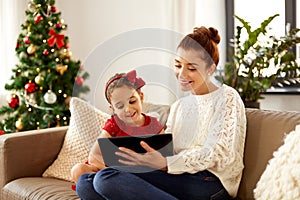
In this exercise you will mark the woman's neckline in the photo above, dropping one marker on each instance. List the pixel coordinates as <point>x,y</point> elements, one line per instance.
<point>214,91</point>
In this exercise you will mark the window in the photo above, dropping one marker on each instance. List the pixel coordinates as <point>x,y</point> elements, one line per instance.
<point>255,11</point>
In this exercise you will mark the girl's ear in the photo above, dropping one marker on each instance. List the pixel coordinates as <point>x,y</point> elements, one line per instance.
<point>111,109</point>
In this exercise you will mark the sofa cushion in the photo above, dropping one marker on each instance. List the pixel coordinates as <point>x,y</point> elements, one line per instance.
<point>85,126</point>
<point>265,133</point>
<point>280,180</point>
<point>39,188</point>
<point>160,111</point>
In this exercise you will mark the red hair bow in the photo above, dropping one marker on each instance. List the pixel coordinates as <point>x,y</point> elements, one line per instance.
<point>131,77</point>
<point>55,38</point>
<point>138,82</point>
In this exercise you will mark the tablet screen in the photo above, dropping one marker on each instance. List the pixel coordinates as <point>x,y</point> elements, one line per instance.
<point>160,142</point>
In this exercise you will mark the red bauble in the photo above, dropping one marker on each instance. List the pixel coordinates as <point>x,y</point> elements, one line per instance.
<point>26,40</point>
<point>13,101</point>
<point>38,18</point>
<point>45,52</point>
<point>2,132</point>
<point>53,9</point>
<point>18,45</point>
<point>79,81</point>
<point>30,87</point>
<point>58,26</point>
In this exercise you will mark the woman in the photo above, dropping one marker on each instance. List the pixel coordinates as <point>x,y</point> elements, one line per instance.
<point>208,128</point>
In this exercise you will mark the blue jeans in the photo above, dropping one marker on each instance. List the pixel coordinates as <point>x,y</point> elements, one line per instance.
<point>124,183</point>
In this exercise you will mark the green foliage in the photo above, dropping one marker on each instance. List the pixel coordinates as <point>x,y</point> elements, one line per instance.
<point>246,71</point>
<point>48,66</point>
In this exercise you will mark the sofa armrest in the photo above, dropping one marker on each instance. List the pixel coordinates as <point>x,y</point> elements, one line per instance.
<point>29,153</point>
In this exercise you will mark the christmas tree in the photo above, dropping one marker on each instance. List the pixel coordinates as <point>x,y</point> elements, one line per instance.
<point>46,76</point>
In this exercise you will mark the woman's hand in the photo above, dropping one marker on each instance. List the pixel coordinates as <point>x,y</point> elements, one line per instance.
<point>151,158</point>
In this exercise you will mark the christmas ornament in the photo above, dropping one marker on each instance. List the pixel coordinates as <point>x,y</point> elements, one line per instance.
<point>38,79</point>
<point>18,45</point>
<point>19,124</point>
<point>53,9</point>
<point>23,55</point>
<point>26,40</point>
<point>38,18</point>
<point>55,38</point>
<point>79,81</point>
<point>50,97</point>
<point>58,26</point>
<point>66,53</point>
<point>31,6</point>
<point>13,100</point>
<point>61,69</point>
<point>30,87</point>
<point>45,52</point>
<point>28,29</point>
<point>2,132</point>
<point>31,49</point>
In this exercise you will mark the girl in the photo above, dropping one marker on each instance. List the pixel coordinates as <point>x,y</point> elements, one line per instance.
<point>123,92</point>
<point>208,128</point>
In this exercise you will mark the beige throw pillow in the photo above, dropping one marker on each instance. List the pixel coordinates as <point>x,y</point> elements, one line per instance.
<point>85,126</point>
<point>280,180</point>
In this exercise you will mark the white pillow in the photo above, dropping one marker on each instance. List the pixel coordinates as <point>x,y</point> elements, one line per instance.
<point>281,178</point>
<point>85,126</point>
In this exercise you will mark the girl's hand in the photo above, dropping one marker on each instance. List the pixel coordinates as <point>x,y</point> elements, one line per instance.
<point>151,158</point>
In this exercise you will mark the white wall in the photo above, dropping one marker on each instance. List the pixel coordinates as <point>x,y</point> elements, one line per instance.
<point>114,36</point>
<point>287,102</point>
<point>211,13</point>
<point>102,35</point>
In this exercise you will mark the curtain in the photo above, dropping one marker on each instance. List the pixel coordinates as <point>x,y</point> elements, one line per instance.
<point>12,15</point>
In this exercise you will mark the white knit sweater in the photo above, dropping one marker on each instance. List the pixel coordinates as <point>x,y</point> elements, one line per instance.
<point>209,134</point>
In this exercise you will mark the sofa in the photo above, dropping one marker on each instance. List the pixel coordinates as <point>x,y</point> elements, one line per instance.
<point>24,157</point>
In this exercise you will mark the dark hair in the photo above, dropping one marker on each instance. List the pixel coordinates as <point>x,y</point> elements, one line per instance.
<point>117,81</point>
<point>205,40</point>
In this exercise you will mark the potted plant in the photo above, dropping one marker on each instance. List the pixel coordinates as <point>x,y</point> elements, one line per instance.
<point>260,61</point>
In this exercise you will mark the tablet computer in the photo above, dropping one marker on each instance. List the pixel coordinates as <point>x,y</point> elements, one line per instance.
<point>160,142</point>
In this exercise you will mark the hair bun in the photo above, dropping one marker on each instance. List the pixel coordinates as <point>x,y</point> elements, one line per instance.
<point>214,35</point>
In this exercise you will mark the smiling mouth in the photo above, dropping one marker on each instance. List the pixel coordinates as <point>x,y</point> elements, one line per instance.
<point>185,83</point>
<point>130,116</point>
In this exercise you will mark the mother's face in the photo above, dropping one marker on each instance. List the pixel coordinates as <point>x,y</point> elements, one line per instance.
<point>192,71</point>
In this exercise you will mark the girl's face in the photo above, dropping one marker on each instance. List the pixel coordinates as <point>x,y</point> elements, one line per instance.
<point>192,72</point>
<point>126,103</point>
